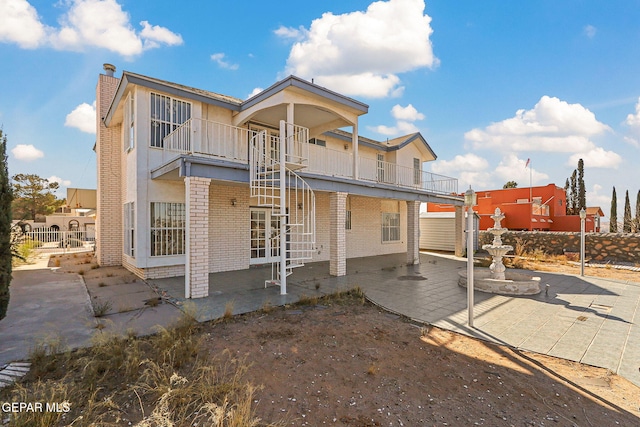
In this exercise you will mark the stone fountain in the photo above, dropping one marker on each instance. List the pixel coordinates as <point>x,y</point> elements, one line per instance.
<point>496,249</point>
<point>497,280</point>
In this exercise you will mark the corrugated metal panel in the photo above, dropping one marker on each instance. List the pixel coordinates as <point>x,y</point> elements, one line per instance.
<point>437,234</point>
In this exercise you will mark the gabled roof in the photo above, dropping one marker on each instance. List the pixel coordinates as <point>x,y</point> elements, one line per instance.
<point>297,82</point>
<point>229,102</point>
<point>594,210</point>
<point>388,146</point>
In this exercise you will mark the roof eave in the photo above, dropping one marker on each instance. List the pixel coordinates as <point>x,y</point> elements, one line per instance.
<point>297,82</point>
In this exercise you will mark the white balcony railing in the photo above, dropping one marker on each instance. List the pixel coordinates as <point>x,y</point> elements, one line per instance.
<point>402,176</point>
<point>325,161</point>
<point>203,138</point>
<point>199,137</point>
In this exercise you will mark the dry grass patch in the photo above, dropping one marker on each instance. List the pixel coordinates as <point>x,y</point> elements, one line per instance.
<point>162,380</point>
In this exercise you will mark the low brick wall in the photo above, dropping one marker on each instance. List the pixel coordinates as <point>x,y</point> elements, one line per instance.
<point>598,246</point>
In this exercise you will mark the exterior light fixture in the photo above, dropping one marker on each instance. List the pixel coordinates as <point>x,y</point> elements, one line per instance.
<point>470,201</point>
<point>233,202</point>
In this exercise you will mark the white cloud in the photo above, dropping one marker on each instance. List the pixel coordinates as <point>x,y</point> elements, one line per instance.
<point>405,116</point>
<point>590,31</point>
<point>254,92</point>
<point>20,24</point>
<point>552,125</point>
<point>633,120</point>
<point>597,157</point>
<point>26,152</point>
<point>291,33</point>
<point>512,168</point>
<point>219,59</point>
<point>83,117</point>
<point>61,182</point>
<point>408,113</point>
<point>467,162</point>
<point>594,198</point>
<point>86,24</point>
<point>154,35</point>
<point>469,169</point>
<point>361,53</point>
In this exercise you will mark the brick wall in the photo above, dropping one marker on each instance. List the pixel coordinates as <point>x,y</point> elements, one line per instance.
<point>337,234</point>
<point>197,256</point>
<point>598,246</point>
<point>413,232</point>
<point>109,168</point>
<point>365,236</point>
<point>154,272</point>
<point>229,228</point>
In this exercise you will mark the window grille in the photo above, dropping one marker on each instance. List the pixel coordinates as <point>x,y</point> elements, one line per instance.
<point>167,228</point>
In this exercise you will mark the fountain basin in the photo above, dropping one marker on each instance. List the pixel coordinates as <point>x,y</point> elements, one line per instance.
<point>513,284</point>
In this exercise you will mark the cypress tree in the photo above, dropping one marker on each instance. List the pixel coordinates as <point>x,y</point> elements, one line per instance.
<point>613,220</point>
<point>582,191</point>
<point>6,196</point>
<point>574,194</point>
<point>626,221</point>
<point>567,197</point>
<point>637,219</point>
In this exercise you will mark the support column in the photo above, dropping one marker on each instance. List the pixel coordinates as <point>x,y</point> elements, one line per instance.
<point>413,232</point>
<point>196,280</point>
<point>459,237</point>
<point>337,234</point>
<point>354,142</point>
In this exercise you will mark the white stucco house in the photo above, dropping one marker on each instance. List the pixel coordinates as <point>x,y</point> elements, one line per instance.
<point>192,182</point>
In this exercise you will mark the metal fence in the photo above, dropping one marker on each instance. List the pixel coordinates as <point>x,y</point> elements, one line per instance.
<point>55,241</point>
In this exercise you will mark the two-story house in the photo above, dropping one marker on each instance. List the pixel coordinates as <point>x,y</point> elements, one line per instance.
<point>192,182</point>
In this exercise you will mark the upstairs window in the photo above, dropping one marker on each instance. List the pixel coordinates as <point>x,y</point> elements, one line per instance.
<point>129,123</point>
<point>166,115</point>
<point>417,172</point>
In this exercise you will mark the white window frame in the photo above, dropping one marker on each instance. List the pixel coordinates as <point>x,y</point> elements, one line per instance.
<point>390,227</point>
<point>129,123</point>
<point>129,229</point>
<point>167,229</point>
<point>417,172</point>
<point>166,114</point>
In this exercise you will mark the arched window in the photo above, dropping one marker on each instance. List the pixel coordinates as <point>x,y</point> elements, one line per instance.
<point>74,225</point>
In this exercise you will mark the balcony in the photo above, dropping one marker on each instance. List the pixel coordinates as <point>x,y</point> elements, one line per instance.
<point>202,138</point>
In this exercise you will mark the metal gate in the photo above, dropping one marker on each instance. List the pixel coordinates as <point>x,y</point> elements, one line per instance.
<point>48,240</point>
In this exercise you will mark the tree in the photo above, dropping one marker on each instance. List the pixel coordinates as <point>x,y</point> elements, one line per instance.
<point>567,197</point>
<point>613,220</point>
<point>510,184</point>
<point>33,196</point>
<point>637,219</point>
<point>6,197</point>
<point>574,194</point>
<point>626,220</point>
<point>582,191</point>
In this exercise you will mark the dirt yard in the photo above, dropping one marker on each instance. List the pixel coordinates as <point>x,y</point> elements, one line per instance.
<point>342,361</point>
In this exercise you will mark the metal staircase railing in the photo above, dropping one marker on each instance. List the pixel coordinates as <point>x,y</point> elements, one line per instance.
<point>274,184</point>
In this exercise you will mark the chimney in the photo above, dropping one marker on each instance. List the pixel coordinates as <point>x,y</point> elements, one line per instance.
<point>109,69</point>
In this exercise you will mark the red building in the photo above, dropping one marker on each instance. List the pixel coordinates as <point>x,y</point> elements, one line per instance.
<point>529,208</point>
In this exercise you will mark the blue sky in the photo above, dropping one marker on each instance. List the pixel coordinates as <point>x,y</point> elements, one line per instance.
<point>489,84</point>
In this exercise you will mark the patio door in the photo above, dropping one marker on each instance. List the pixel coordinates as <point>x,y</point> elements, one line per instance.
<point>265,236</point>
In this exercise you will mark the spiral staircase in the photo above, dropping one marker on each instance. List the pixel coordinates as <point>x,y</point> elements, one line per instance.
<point>273,162</point>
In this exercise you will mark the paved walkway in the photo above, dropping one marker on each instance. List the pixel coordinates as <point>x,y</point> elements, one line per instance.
<point>585,319</point>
